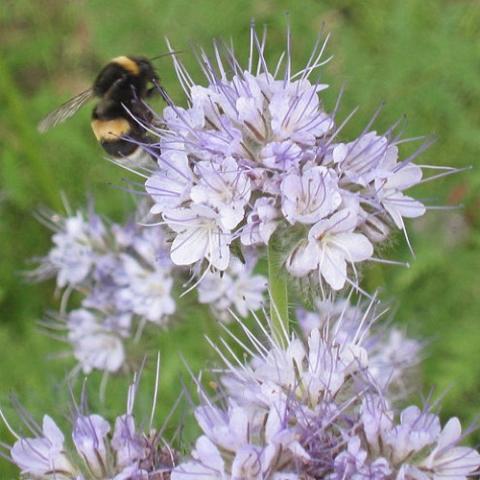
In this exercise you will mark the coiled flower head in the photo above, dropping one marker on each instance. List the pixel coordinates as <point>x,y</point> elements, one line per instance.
<point>318,408</point>
<point>99,449</point>
<point>255,152</point>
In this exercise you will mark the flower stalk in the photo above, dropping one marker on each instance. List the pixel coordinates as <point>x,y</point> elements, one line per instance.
<point>278,291</point>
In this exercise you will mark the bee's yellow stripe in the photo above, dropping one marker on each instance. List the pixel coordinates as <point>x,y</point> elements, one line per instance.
<point>108,130</point>
<point>128,64</point>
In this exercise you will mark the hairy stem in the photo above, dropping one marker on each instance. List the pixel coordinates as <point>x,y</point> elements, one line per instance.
<point>278,290</point>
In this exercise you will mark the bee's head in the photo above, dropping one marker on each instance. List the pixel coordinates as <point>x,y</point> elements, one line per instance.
<point>146,69</point>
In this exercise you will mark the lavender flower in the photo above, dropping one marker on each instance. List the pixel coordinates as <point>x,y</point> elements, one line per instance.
<point>411,446</point>
<point>331,244</point>
<point>240,443</point>
<point>126,280</point>
<point>147,286</point>
<point>76,242</point>
<point>255,152</point>
<point>314,409</point>
<point>391,354</point>
<point>104,260</point>
<point>89,435</point>
<point>123,452</point>
<point>236,289</point>
<point>125,277</point>
<point>43,456</point>
<point>98,341</point>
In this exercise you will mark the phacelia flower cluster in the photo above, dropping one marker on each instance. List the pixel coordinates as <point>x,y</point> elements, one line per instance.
<point>126,281</point>
<point>319,408</point>
<point>124,276</point>
<point>255,152</point>
<point>97,449</point>
<point>254,157</point>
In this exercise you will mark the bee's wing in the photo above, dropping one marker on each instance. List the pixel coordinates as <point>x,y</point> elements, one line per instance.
<point>65,111</point>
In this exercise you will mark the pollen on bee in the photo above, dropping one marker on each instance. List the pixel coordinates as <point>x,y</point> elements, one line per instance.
<point>128,64</point>
<point>109,130</point>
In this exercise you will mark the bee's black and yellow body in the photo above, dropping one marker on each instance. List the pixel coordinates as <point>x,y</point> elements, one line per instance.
<point>116,120</point>
<point>121,87</point>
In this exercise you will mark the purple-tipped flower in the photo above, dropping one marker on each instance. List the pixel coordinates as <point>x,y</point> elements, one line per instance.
<point>236,289</point>
<point>255,152</point>
<point>239,442</point>
<point>125,452</point>
<point>119,268</point>
<point>125,276</point>
<point>318,409</point>
<point>126,279</point>
<point>97,340</point>
<point>44,455</point>
<point>89,434</point>
<point>391,354</point>
<point>77,241</point>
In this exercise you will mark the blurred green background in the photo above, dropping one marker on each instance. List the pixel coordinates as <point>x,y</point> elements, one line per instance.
<point>421,57</point>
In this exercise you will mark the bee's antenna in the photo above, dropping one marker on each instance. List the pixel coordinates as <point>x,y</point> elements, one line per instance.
<point>173,52</point>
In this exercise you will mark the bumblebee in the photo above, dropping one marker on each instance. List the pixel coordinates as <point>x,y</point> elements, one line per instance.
<point>121,87</point>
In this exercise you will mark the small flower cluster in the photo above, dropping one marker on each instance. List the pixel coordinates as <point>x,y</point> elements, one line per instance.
<point>126,279</point>
<point>237,289</point>
<point>256,152</point>
<point>391,354</point>
<point>99,452</point>
<point>319,408</point>
<point>124,275</point>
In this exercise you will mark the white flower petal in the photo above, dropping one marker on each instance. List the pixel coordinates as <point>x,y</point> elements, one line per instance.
<point>189,247</point>
<point>333,268</point>
<point>354,246</point>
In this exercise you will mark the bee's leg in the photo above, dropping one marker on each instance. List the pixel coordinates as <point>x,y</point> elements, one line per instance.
<point>157,88</point>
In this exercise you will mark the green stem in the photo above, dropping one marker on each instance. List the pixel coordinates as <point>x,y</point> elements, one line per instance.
<point>278,287</point>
